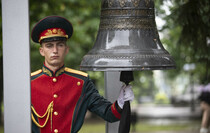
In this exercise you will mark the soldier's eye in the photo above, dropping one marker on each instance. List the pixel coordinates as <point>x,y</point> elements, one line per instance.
<point>48,45</point>
<point>61,44</point>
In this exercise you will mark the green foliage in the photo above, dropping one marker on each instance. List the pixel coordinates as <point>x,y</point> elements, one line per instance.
<point>161,98</point>
<point>185,35</point>
<point>143,84</point>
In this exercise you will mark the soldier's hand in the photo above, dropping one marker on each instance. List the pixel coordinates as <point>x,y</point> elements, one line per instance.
<point>126,94</point>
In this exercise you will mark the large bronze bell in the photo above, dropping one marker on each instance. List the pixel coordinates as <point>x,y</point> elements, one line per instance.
<point>127,39</point>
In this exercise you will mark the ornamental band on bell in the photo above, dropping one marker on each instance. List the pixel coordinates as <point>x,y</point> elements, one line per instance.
<point>123,2</point>
<point>115,17</point>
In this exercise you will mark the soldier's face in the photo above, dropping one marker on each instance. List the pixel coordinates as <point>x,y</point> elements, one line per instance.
<point>54,53</point>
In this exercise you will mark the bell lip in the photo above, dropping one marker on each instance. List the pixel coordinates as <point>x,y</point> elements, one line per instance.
<point>145,68</point>
<point>90,65</point>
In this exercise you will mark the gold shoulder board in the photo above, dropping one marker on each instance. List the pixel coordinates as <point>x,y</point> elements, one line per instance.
<point>36,72</point>
<point>76,71</point>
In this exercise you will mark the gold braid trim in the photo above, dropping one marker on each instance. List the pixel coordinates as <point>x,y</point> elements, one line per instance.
<point>47,71</point>
<point>48,113</point>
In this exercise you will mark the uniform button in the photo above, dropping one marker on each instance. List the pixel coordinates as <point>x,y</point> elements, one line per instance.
<point>78,83</point>
<point>56,131</point>
<point>54,80</point>
<point>55,113</point>
<point>55,95</point>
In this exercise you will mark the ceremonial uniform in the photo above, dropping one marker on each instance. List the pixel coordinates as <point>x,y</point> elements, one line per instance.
<point>62,99</point>
<point>60,96</point>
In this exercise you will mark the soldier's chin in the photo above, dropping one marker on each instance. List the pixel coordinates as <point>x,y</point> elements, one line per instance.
<point>56,64</point>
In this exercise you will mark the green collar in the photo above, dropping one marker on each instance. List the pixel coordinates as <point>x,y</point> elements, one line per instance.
<point>50,73</point>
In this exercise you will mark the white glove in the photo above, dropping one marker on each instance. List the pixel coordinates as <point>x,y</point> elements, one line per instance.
<point>126,94</point>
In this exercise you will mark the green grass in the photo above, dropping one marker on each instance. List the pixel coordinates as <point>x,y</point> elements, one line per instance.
<point>99,127</point>
<point>93,128</point>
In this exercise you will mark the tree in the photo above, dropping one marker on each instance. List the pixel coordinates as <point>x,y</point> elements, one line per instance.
<point>187,31</point>
<point>193,17</point>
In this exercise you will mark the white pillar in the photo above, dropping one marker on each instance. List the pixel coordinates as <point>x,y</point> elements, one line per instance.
<point>16,66</point>
<point>112,89</point>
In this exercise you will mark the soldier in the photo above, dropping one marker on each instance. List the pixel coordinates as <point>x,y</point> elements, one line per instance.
<point>60,95</point>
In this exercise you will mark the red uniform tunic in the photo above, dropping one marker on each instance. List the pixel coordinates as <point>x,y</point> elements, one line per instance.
<point>63,97</point>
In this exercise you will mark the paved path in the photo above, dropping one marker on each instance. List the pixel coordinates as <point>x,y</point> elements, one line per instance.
<point>168,114</point>
<point>153,111</point>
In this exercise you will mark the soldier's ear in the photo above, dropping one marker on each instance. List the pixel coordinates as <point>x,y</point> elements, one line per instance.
<point>41,51</point>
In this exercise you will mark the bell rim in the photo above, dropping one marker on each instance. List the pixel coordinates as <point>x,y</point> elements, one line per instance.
<point>133,68</point>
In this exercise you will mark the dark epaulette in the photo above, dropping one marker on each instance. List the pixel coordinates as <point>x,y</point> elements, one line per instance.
<point>75,73</point>
<point>36,74</point>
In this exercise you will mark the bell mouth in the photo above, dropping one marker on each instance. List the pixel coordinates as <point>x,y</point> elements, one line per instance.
<point>127,63</point>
